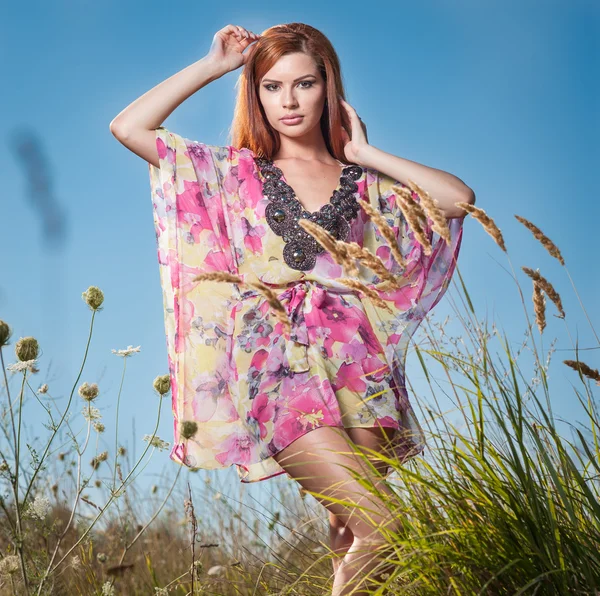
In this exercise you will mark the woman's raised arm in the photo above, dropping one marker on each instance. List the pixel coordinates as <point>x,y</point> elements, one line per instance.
<point>135,126</point>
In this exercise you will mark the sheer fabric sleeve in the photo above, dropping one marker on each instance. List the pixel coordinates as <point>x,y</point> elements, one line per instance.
<point>428,275</point>
<point>193,235</point>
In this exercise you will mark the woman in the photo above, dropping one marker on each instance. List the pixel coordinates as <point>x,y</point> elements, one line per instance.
<point>248,391</point>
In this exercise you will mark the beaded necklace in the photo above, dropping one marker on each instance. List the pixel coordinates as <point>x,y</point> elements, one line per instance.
<point>284,210</point>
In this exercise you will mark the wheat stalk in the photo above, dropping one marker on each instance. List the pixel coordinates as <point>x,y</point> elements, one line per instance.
<point>372,294</point>
<point>433,211</point>
<point>488,223</point>
<point>414,214</point>
<point>584,369</point>
<point>338,249</point>
<point>386,231</point>
<point>539,306</point>
<point>547,287</point>
<point>267,292</point>
<point>539,235</point>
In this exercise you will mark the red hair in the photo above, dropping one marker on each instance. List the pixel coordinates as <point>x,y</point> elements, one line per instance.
<point>250,127</point>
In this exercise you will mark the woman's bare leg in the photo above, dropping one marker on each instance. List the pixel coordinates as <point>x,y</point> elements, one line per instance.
<point>340,539</point>
<point>318,461</point>
<point>340,535</point>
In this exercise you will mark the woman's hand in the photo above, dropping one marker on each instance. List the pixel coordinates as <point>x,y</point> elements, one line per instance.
<point>357,140</point>
<point>228,45</point>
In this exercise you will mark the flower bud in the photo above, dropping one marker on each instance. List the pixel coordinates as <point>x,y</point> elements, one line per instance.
<point>89,392</point>
<point>5,333</point>
<point>93,297</point>
<point>188,429</point>
<point>27,348</point>
<point>162,384</point>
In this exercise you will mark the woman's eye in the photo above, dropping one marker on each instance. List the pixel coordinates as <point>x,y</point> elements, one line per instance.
<point>269,85</point>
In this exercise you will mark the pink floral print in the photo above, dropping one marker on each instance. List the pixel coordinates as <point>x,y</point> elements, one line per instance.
<point>251,387</point>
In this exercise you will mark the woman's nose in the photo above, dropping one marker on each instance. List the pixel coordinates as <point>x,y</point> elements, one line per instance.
<point>289,99</point>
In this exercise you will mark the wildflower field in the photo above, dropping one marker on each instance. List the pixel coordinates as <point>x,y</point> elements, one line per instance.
<point>504,502</point>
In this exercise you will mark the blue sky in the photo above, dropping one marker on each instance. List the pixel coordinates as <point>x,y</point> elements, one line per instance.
<point>501,94</point>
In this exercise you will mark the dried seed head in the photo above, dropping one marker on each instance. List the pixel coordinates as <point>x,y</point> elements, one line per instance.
<point>43,388</point>
<point>547,287</point>
<point>93,297</point>
<point>546,242</point>
<point>96,461</point>
<point>337,248</point>
<point>121,450</point>
<point>89,392</point>
<point>162,384</point>
<point>188,429</point>
<point>357,285</point>
<point>27,348</point>
<point>386,231</point>
<point>5,333</point>
<point>433,211</point>
<point>584,369</point>
<point>415,216</point>
<point>99,427</point>
<point>219,276</point>
<point>539,306</point>
<point>274,303</point>
<point>486,221</point>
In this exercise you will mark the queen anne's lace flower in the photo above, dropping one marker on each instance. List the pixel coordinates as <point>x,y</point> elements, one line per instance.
<point>23,365</point>
<point>127,352</point>
<point>91,413</point>
<point>39,507</point>
<point>156,442</point>
<point>89,392</point>
<point>108,589</point>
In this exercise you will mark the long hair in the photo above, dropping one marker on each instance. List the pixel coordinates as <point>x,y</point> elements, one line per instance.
<point>250,127</point>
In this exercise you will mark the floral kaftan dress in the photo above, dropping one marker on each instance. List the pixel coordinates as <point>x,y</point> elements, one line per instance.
<point>252,387</point>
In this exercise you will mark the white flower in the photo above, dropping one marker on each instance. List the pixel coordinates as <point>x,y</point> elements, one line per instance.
<point>99,427</point>
<point>91,413</point>
<point>216,570</point>
<point>43,388</point>
<point>39,507</point>
<point>23,365</point>
<point>108,589</point>
<point>127,352</point>
<point>156,442</point>
<point>9,565</point>
<point>75,562</point>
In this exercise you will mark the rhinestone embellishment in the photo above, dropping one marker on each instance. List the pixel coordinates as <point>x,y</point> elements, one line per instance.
<point>284,210</point>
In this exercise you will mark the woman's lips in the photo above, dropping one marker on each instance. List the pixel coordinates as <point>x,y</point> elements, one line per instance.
<point>292,121</point>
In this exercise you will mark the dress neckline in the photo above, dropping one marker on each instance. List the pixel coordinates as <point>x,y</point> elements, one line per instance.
<point>283,211</point>
<point>334,192</point>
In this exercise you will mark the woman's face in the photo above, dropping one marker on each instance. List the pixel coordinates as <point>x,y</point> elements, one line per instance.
<point>293,86</point>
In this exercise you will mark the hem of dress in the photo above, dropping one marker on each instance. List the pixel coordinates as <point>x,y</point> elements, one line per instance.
<point>410,451</point>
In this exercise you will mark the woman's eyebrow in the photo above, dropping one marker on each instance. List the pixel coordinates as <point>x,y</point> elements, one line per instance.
<point>302,77</point>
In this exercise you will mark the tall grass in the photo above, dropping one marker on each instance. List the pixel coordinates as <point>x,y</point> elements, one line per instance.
<point>504,501</point>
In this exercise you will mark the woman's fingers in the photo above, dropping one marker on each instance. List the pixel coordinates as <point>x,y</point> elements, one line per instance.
<point>350,109</point>
<point>243,33</point>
